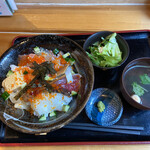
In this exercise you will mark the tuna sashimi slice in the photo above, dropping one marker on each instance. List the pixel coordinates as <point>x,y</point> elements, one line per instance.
<point>63,86</point>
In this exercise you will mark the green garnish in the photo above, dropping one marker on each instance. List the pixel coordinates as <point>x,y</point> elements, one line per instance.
<point>67,59</point>
<point>9,73</point>
<point>71,61</point>
<point>66,55</point>
<point>5,95</point>
<point>65,108</point>
<point>145,79</point>
<point>106,53</point>
<point>73,93</point>
<point>37,50</point>
<point>52,114</point>
<point>138,90</point>
<point>101,106</point>
<point>55,51</point>
<point>25,72</point>
<point>42,118</point>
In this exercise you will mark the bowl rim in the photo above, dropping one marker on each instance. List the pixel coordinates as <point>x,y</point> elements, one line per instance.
<point>122,81</point>
<point>120,37</point>
<point>66,121</point>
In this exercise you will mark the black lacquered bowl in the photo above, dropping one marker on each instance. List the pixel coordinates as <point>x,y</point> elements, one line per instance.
<point>24,122</point>
<point>123,45</point>
<point>108,73</point>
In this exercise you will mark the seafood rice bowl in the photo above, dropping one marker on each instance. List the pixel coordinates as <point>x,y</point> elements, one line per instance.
<point>42,83</point>
<point>46,81</point>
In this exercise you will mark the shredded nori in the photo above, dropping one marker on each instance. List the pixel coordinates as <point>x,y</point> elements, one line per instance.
<point>40,70</point>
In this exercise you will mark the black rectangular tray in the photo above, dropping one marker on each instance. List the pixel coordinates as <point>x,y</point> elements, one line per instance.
<point>139,43</point>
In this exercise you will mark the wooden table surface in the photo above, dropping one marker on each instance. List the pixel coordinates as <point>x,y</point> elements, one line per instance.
<point>29,20</point>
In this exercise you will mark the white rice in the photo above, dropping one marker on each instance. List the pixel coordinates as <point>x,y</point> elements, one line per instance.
<point>49,103</point>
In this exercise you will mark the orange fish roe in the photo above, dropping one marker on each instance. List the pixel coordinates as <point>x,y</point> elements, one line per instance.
<point>63,97</point>
<point>29,59</point>
<point>39,96</point>
<point>27,77</point>
<point>53,107</point>
<point>59,62</point>
<point>43,54</point>
<point>62,60</point>
<point>9,92</point>
<point>70,81</point>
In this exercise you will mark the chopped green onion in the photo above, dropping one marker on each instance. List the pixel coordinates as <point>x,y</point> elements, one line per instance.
<point>66,55</point>
<point>25,72</point>
<point>71,61</point>
<point>42,118</point>
<point>73,93</point>
<point>5,95</point>
<point>52,114</point>
<point>65,108</point>
<point>36,50</point>
<point>9,73</point>
<point>55,51</point>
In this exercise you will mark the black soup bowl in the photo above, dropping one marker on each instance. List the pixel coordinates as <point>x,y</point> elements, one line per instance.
<point>135,83</point>
<point>108,73</point>
<point>25,122</point>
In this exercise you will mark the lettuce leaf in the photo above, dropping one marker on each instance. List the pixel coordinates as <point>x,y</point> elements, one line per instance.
<point>106,53</point>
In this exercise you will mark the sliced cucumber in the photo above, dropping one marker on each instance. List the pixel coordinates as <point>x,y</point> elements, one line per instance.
<point>67,59</point>
<point>42,118</point>
<point>37,50</point>
<point>66,55</point>
<point>55,51</point>
<point>52,114</point>
<point>5,95</point>
<point>73,93</point>
<point>71,61</point>
<point>9,73</point>
<point>65,108</point>
<point>48,78</point>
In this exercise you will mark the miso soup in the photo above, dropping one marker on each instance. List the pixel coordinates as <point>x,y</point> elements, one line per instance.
<point>132,75</point>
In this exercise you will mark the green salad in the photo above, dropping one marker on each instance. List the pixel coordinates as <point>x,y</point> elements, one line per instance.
<point>106,53</point>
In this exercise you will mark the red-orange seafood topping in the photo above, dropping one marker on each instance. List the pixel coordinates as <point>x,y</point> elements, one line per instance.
<point>61,84</point>
<point>27,60</point>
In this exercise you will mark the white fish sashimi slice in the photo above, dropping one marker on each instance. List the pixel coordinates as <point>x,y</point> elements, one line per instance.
<point>13,67</point>
<point>49,103</point>
<point>68,74</point>
<point>22,105</point>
